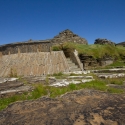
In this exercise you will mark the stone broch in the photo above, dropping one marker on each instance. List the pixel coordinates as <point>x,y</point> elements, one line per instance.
<point>68,36</point>
<point>35,57</point>
<point>41,45</point>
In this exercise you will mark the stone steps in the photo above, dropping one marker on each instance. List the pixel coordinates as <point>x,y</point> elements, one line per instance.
<point>72,66</point>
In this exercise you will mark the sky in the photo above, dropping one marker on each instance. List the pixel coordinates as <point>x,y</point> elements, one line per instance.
<point>21,20</point>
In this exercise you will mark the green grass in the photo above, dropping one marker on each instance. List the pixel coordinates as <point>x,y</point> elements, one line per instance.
<point>95,50</point>
<point>114,90</point>
<point>42,90</point>
<point>116,81</point>
<point>59,75</point>
<point>117,64</point>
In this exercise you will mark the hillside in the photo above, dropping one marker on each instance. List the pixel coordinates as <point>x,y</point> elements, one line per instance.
<point>95,50</point>
<point>121,43</point>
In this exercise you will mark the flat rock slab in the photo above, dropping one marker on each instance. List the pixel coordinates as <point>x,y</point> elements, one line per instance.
<point>12,86</point>
<point>83,107</point>
<point>80,77</point>
<point>116,75</point>
<point>2,80</point>
<point>115,70</point>
<point>77,72</point>
<point>41,79</point>
<point>66,82</point>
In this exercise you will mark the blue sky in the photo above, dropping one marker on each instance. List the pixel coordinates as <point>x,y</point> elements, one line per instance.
<point>21,20</point>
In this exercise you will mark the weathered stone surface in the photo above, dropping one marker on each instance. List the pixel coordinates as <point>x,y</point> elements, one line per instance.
<point>83,107</point>
<point>72,80</point>
<point>103,41</point>
<point>109,75</point>
<point>90,62</point>
<point>68,36</point>
<point>9,87</point>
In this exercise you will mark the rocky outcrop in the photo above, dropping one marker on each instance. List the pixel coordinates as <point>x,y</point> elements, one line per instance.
<point>122,44</point>
<point>10,88</point>
<point>68,36</point>
<point>103,41</point>
<point>83,107</point>
<point>91,62</point>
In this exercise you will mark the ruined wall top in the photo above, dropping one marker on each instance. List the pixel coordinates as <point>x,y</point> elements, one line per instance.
<point>26,47</point>
<point>41,45</point>
<point>25,42</point>
<point>68,36</point>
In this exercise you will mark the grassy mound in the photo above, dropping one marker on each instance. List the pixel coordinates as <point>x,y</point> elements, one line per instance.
<point>95,50</point>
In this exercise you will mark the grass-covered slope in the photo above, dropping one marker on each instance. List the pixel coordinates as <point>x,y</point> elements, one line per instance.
<point>95,50</point>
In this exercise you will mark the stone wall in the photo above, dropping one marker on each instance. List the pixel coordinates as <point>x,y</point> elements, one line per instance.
<point>41,45</point>
<point>25,47</point>
<point>36,64</point>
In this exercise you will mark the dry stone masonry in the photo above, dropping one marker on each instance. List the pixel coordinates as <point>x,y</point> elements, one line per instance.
<point>40,45</point>
<point>39,63</point>
<point>25,47</point>
<point>35,57</point>
<point>68,36</point>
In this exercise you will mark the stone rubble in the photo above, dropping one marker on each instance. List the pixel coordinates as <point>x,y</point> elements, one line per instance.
<point>68,36</point>
<point>103,41</point>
